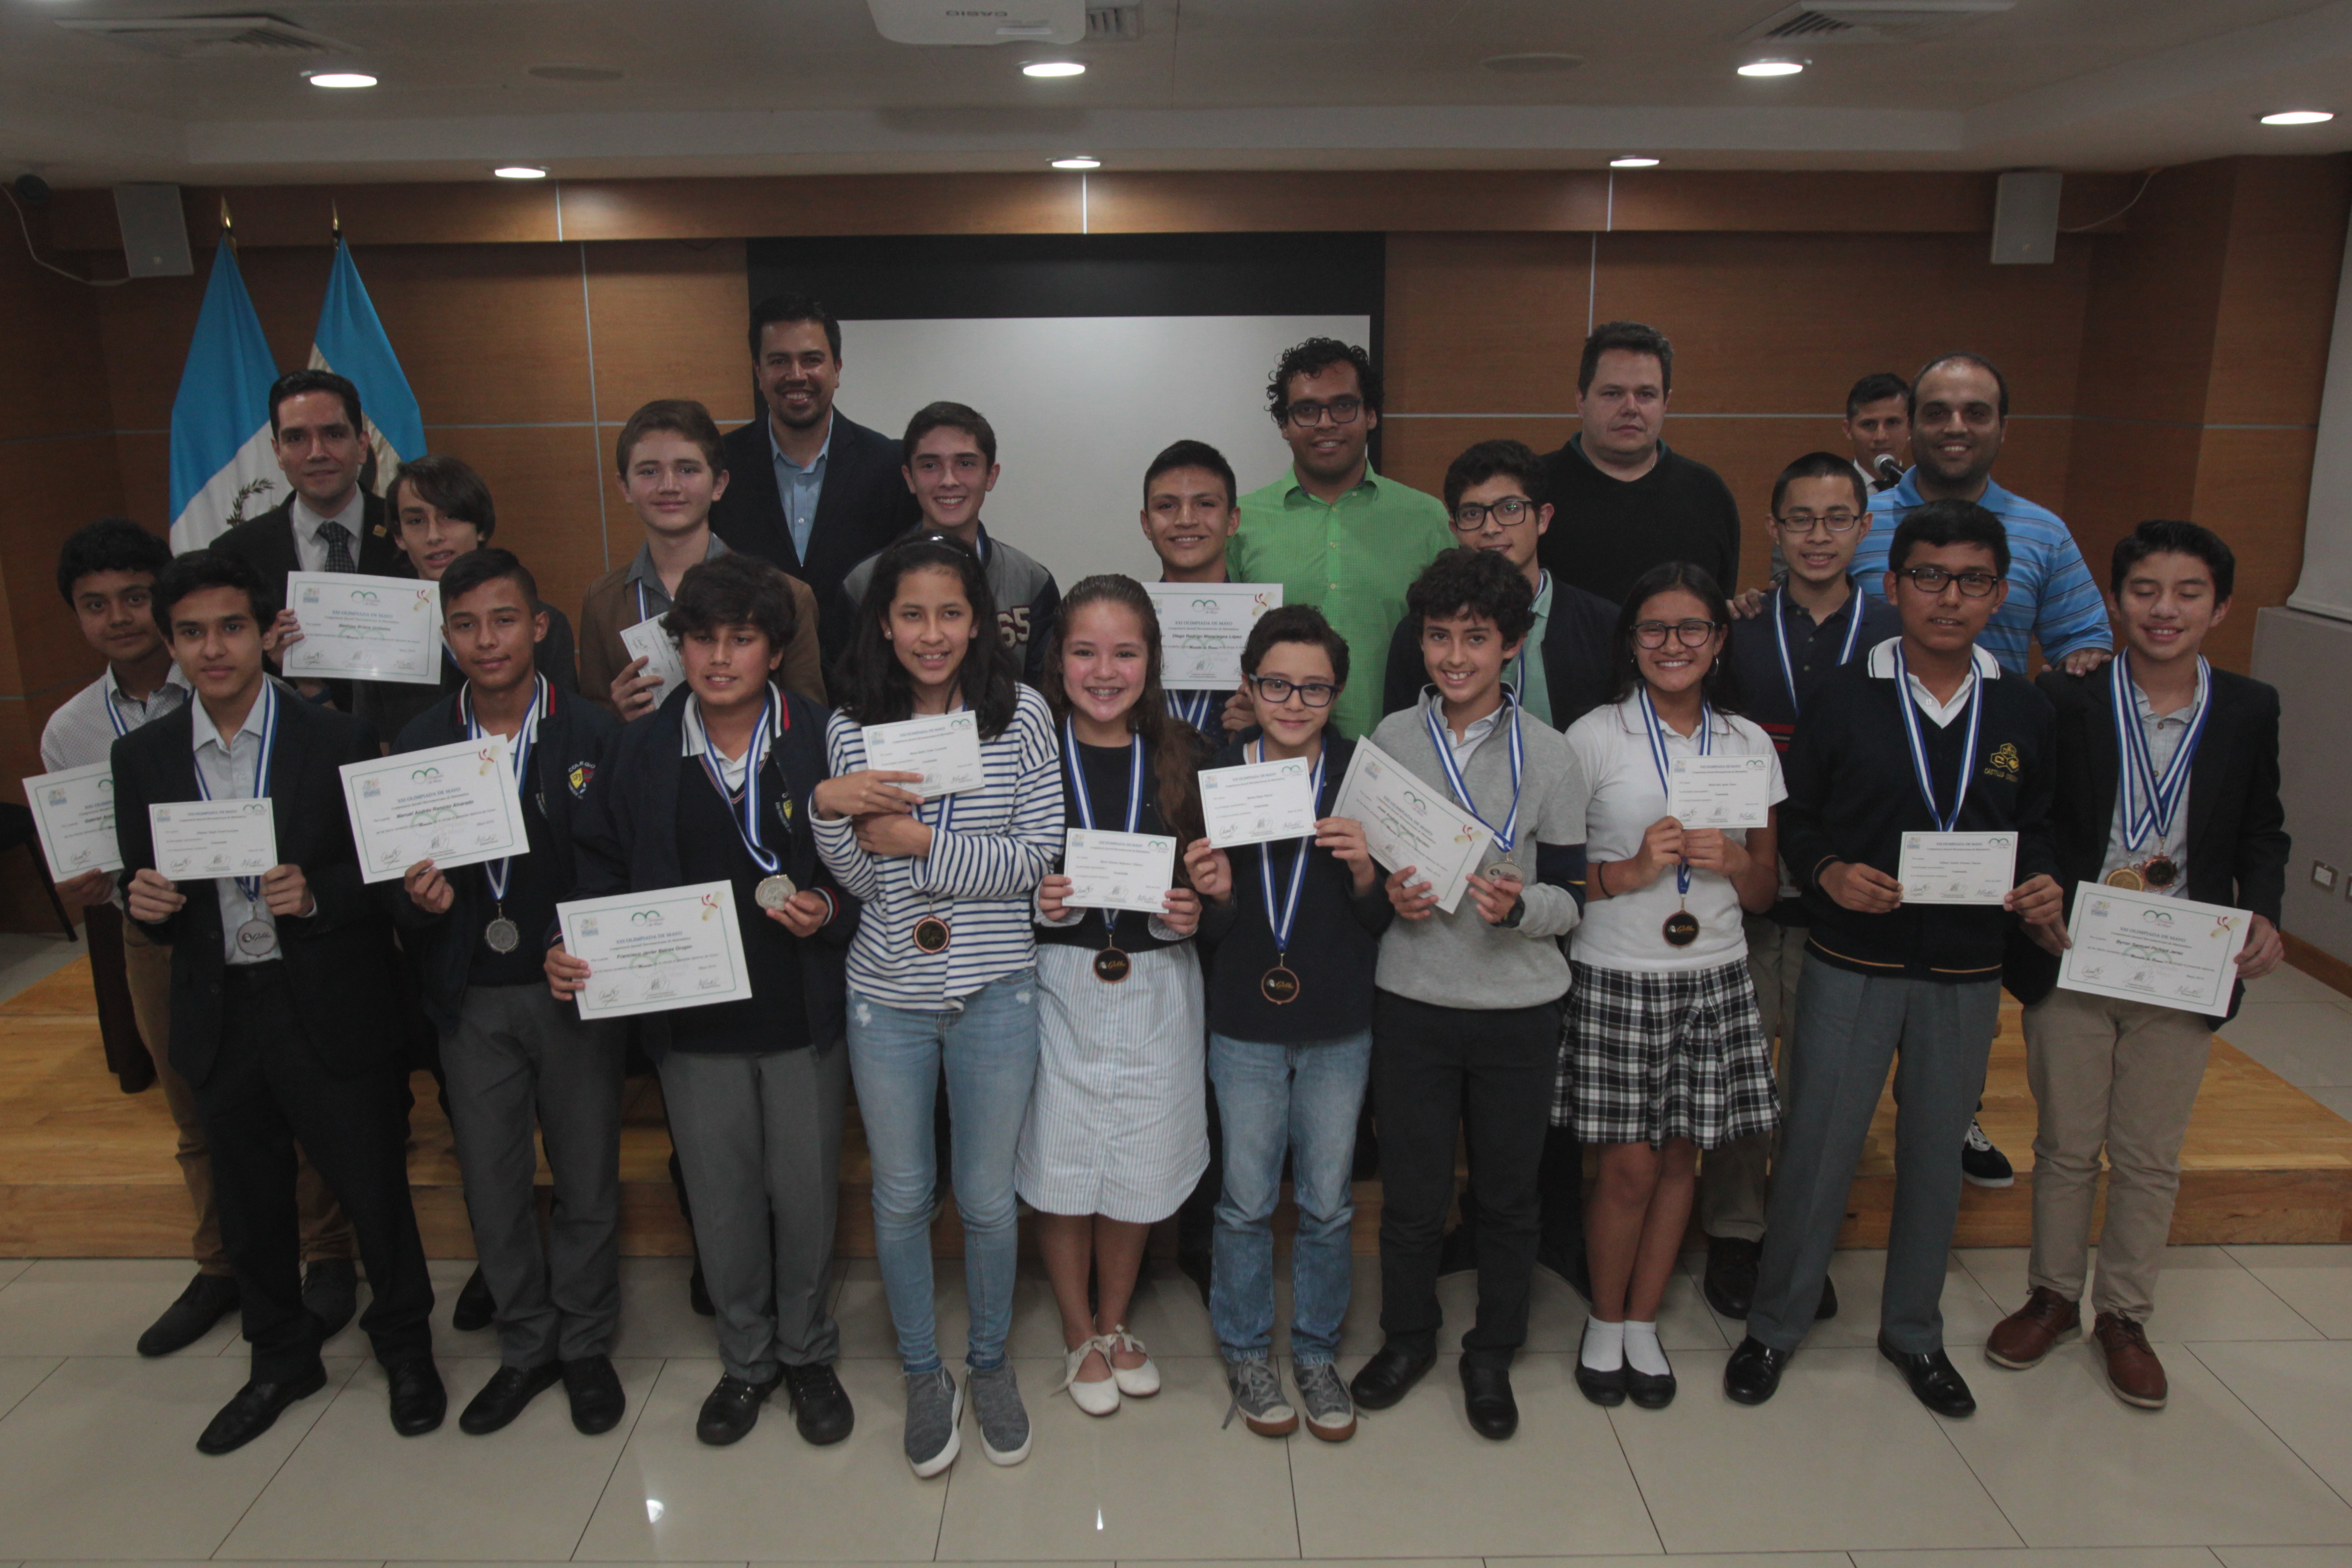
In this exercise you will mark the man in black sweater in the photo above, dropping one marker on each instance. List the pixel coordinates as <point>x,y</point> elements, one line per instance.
<point>1625,500</point>
<point>1923,750</point>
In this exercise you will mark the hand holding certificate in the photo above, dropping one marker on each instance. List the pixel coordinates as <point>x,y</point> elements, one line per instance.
<point>74,810</point>
<point>1720,792</point>
<point>943,748</point>
<point>1409,821</point>
<point>198,839</point>
<point>1258,802</point>
<point>1202,626</point>
<point>657,952</point>
<point>2143,947</point>
<point>364,628</point>
<point>454,805</point>
<point>1117,870</point>
<point>1957,867</point>
<point>647,641</point>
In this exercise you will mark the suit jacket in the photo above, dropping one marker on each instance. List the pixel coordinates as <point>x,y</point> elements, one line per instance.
<point>1577,646</point>
<point>267,542</point>
<point>864,505</point>
<point>2237,828</point>
<point>339,959</point>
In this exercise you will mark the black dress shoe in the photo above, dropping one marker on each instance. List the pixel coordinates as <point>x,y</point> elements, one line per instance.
<point>503,1397</point>
<point>1390,1375</point>
<point>819,1404</point>
<point>1934,1378</point>
<point>1568,1263</point>
<point>418,1399</point>
<point>208,1299</point>
<point>255,1410</point>
<point>1651,1391</point>
<point>698,1292</point>
<point>474,1308</point>
<point>1729,1283</point>
<point>595,1390</point>
<point>1752,1375</point>
<point>331,1293</point>
<point>1827,1309</point>
<point>1487,1391</point>
<point>1458,1253</point>
<point>731,1409</point>
<point>1606,1389</point>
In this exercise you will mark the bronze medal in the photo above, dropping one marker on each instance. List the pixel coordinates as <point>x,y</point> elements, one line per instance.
<point>2161,872</point>
<point>1279,986</point>
<point>2124,877</point>
<point>1111,965</point>
<point>930,935</point>
<point>1681,928</point>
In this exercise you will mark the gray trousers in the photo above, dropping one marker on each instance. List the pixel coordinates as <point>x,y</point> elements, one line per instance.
<point>1733,1180</point>
<point>520,1056</point>
<point>759,1138</point>
<point>1938,1035</point>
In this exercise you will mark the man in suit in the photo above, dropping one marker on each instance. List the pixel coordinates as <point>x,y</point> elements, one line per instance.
<point>285,1011</point>
<point>2123,1075</point>
<point>329,521</point>
<point>813,491</point>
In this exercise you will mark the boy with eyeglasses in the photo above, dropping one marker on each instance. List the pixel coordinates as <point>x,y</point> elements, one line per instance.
<point>1922,739</point>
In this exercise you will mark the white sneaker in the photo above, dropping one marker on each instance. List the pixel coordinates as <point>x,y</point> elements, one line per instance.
<point>1134,1382</point>
<point>1094,1398</point>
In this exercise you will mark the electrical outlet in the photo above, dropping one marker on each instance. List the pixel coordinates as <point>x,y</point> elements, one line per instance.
<point>2323,874</point>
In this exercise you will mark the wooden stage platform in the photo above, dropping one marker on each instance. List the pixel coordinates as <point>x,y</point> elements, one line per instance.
<point>87,1170</point>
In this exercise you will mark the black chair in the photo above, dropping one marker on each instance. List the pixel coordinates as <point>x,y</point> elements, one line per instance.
<point>17,827</point>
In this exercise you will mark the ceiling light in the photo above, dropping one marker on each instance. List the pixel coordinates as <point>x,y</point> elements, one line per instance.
<point>520,171</point>
<point>340,79</point>
<point>1053,68</point>
<point>2298,117</point>
<point>1771,67</point>
<point>1079,162</point>
<point>1635,163</point>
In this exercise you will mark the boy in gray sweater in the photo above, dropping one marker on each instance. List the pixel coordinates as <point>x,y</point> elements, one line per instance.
<point>1466,1020</point>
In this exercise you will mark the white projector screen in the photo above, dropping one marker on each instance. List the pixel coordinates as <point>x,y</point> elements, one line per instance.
<point>2326,585</point>
<point>1081,405</point>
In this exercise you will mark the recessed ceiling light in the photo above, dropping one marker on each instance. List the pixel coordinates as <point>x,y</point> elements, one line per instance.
<point>1053,67</point>
<point>2299,117</point>
<point>1077,163</point>
<point>1533,64</point>
<point>1771,67</point>
<point>1632,162</point>
<point>340,78</point>
<point>520,171</point>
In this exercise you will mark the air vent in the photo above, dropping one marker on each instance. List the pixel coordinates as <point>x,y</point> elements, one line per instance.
<point>1870,21</point>
<point>1114,24</point>
<point>210,38</point>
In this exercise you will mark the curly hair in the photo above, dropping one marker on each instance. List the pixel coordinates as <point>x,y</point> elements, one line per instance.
<point>1475,583</point>
<point>1319,353</point>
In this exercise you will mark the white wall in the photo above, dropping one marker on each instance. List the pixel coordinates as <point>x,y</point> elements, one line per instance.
<point>2326,585</point>
<point>1081,405</point>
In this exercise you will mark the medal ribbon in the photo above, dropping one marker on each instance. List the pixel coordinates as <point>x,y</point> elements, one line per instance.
<point>1282,924</point>
<point>1194,707</point>
<point>1078,774</point>
<point>1780,639</point>
<point>1507,835</point>
<point>2146,803</point>
<point>1657,730</point>
<point>747,817</point>
<point>500,873</point>
<point>251,886</point>
<point>1904,700</point>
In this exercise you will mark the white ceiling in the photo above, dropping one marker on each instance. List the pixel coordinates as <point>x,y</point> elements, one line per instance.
<point>722,86</point>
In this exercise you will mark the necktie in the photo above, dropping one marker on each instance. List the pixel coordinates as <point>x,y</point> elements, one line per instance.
<point>339,547</point>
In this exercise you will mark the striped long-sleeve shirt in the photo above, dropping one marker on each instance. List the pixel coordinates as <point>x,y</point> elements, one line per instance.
<point>981,876</point>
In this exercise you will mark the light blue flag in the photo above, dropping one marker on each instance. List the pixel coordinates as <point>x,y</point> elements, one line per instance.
<point>222,469</point>
<point>351,341</point>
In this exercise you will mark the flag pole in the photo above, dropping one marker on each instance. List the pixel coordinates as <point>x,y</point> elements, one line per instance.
<point>228,227</point>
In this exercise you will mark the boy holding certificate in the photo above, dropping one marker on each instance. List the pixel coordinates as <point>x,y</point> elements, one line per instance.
<point>2169,775</point>
<point>1923,752</point>
<point>1189,512</point>
<point>1467,1019</point>
<point>515,1057</point>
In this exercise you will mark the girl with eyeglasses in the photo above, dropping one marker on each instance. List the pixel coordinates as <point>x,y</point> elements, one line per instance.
<point>1665,1053</point>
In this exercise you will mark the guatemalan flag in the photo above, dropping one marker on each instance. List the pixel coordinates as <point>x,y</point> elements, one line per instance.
<point>351,341</point>
<point>222,470</point>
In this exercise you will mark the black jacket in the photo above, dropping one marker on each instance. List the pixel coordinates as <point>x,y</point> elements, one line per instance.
<point>1576,650</point>
<point>864,505</point>
<point>339,959</point>
<point>625,836</point>
<point>389,706</point>
<point>267,542</point>
<point>573,737</point>
<point>2237,828</point>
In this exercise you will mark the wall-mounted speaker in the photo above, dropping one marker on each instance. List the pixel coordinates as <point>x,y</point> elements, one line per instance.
<point>2025,217</point>
<point>154,231</point>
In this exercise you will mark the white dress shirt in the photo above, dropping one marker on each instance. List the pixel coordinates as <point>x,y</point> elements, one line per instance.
<point>310,550</point>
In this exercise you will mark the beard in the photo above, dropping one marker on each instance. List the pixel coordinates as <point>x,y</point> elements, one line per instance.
<point>819,409</point>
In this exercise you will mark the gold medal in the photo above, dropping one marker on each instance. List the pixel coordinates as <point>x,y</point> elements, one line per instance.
<point>2124,877</point>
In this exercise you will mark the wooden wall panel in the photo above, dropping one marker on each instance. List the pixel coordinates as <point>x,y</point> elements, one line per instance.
<point>821,203</point>
<point>143,460</point>
<point>2277,290</point>
<point>1394,201</point>
<point>2147,335</point>
<point>486,334</point>
<point>146,325</point>
<point>544,482</point>
<point>669,319</point>
<point>1415,450</point>
<point>1485,323</point>
<point>2252,487</point>
<point>458,212</point>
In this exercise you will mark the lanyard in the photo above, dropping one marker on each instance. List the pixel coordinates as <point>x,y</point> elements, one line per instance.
<point>1657,730</point>
<point>500,873</point>
<point>1509,834</point>
<point>2146,803</point>
<point>1078,777</point>
<point>1283,923</point>
<point>1195,707</point>
<point>1904,700</point>
<point>251,886</point>
<point>747,816</point>
<point>1780,639</point>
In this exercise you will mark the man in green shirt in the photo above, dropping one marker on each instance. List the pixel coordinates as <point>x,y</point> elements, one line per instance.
<point>1335,534</point>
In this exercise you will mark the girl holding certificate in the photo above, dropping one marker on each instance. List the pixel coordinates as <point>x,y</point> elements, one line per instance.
<point>1665,1054</point>
<point>1117,1132</point>
<point>943,968</point>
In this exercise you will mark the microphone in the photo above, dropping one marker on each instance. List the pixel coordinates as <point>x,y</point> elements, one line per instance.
<point>1889,471</point>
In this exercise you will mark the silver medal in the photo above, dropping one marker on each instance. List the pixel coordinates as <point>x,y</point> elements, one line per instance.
<point>257,938</point>
<point>774,892</point>
<point>502,935</point>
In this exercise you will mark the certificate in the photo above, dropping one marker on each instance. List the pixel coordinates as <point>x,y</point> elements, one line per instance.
<point>655,951</point>
<point>2143,947</point>
<point>74,809</point>
<point>1957,868</point>
<point>364,628</point>
<point>944,749</point>
<point>1202,626</point>
<point>1118,870</point>
<point>647,641</point>
<point>1409,822</point>
<point>454,805</point>
<point>1258,802</point>
<point>197,839</point>
<point>1720,792</point>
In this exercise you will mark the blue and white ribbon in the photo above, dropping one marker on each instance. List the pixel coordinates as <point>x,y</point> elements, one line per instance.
<point>1945,820</point>
<point>251,886</point>
<point>1195,708</point>
<point>1657,732</point>
<point>1780,639</point>
<point>1509,834</point>
<point>746,813</point>
<point>2146,803</point>
<point>500,873</point>
<point>1283,923</point>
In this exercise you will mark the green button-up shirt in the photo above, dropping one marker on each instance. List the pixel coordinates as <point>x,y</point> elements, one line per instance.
<point>1353,559</point>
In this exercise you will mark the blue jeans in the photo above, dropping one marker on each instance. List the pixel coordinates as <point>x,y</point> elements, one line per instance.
<point>989,1043</point>
<point>1303,1100</point>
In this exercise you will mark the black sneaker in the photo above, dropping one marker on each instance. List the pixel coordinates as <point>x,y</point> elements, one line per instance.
<point>1982,1163</point>
<point>731,1409</point>
<point>208,1299</point>
<point>821,1408</point>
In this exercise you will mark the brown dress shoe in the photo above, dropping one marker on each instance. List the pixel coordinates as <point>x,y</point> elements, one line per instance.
<point>2025,1336</point>
<point>2133,1370</point>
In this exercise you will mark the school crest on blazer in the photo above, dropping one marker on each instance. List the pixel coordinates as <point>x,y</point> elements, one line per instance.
<point>2003,763</point>
<point>577,776</point>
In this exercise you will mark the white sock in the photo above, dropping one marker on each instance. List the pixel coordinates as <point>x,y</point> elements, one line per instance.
<point>1643,1352</point>
<point>1604,1345</point>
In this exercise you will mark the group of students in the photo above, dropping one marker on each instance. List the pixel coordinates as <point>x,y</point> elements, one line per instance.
<point>1610,978</point>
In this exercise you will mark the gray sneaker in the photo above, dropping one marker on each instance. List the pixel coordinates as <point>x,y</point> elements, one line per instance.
<point>1003,1419</point>
<point>934,1412</point>
<point>1330,1414</point>
<point>1257,1399</point>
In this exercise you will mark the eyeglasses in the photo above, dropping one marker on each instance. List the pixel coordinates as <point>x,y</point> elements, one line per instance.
<point>1509,513</point>
<point>1690,634</point>
<point>1931,580</point>
<point>1342,411</point>
<point>1314,693</point>
<point>1837,520</point>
